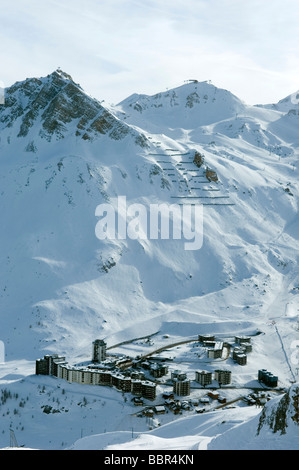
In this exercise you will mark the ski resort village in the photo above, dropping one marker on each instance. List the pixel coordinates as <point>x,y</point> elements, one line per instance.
<point>120,333</point>
<point>172,378</point>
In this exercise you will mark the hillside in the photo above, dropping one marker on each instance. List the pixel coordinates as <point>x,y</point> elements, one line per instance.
<point>274,428</point>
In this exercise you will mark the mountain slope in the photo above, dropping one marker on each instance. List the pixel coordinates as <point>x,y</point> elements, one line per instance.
<point>275,427</point>
<point>55,271</point>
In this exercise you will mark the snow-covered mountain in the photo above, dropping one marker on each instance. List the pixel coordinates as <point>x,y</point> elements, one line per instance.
<point>52,107</point>
<point>62,153</point>
<point>188,106</point>
<point>289,103</point>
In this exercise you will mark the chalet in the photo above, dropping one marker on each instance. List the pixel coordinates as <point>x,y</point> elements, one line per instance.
<point>205,400</point>
<point>194,401</point>
<point>221,399</point>
<point>168,395</point>
<point>200,410</point>
<point>249,400</point>
<point>160,409</point>
<point>169,401</point>
<point>137,401</point>
<point>185,405</point>
<point>175,408</point>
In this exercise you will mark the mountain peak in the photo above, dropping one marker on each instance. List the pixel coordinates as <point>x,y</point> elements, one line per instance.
<point>63,78</point>
<point>62,74</point>
<point>190,105</point>
<point>286,104</point>
<point>53,103</point>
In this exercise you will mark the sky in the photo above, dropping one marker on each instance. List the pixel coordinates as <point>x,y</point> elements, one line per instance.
<point>114,48</point>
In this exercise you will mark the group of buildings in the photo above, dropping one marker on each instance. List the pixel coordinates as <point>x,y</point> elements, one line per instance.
<point>133,380</point>
<point>215,348</point>
<point>222,376</point>
<point>57,366</point>
<point>182,385</point>
<point>240,351</point>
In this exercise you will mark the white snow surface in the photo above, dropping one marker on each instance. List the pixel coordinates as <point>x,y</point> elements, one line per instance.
<point>228,429</point>
<point>61,287</point>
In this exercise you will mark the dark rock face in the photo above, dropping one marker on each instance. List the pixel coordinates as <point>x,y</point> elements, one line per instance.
<point>279,417</point>
<point>59,106</point>
<point>211,175</point>
<point>198,159</point>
